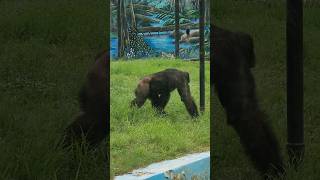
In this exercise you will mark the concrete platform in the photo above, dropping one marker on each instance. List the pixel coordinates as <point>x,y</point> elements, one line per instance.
<point>189,167</point>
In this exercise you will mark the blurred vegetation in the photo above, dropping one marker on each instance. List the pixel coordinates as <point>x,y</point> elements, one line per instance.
<point>45,51</point>
<point>266,22</point>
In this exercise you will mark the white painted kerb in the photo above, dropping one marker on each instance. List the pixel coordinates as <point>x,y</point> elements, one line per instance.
<point>156,170</point>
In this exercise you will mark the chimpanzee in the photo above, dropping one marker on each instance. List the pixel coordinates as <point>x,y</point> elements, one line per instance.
<point>233,56</point>
<point>91,124</point>
<point>157,87</point>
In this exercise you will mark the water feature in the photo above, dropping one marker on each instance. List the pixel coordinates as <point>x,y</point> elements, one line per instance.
<point>162,44</point>
<point>114,47</point>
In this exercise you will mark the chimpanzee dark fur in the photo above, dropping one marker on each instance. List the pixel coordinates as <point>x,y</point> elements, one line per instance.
<point>157,87</point>
<point>233,56</point>
<point>91,123</point>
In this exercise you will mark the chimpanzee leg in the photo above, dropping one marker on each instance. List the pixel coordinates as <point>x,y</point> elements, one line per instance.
<point>259,141</point>
<point>243,114</point>
<point>160,101</point>
<point>138,102</point>
<point>186,98</point>
<point>90,127</point>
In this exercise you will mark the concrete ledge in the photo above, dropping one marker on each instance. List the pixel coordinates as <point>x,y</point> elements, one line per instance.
<point>193,166</point>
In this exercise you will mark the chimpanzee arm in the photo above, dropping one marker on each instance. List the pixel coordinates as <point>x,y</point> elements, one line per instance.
<point>138,102</point>
<point>244,115</point>
<point>186,98</point>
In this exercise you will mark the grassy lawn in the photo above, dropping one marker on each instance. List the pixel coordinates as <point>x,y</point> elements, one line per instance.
<point>266,23</point>
<point>138,136</point>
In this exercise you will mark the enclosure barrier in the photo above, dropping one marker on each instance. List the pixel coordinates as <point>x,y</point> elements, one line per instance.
<point>202,55</point>
<point>177,27</point>
<point>193,166</point>
<point>295,123</point>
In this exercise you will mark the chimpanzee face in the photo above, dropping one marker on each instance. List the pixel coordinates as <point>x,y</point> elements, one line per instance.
<point>141,92</point>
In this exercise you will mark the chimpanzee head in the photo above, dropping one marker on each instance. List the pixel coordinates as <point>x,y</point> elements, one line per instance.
<point>141,92</point>
<point>245,43</point>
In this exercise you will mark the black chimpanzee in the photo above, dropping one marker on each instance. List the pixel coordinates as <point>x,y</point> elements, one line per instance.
<point>92,122</point>
<point>233,56</point>
<point>157,88</point>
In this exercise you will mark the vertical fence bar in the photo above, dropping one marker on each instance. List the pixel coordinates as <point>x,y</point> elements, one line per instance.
<point>202,54</point>
<point>212,145</point>
<point>108,59</point>
<point>295,125</point>
<point>119,29</point>
<point>177,27</point>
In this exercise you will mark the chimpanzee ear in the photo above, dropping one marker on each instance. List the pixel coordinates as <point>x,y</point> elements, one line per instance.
<point>146,79</point>
<point>246,44</point>
<point>144,87</point>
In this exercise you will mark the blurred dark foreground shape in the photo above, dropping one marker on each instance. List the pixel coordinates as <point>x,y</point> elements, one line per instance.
<point>91,126</point>
<point>233,58</point>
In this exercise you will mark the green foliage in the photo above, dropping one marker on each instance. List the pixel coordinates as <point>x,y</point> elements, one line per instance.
<point>139,136</point>
<point>169,18</point>
<point>164,4</point>
<point>192,13</point>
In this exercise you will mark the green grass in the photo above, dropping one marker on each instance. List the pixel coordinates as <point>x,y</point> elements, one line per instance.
<point>266,23</point>
<point>139,136</point>
<point>46,48</point>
